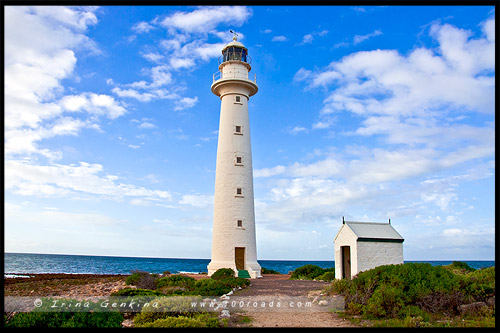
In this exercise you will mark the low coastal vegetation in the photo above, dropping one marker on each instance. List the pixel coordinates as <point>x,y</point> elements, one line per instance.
<point>421,295</point>
<point>89,315</point>
<point>169,310</point>
<point>264,270</point>
<point>313,272</point>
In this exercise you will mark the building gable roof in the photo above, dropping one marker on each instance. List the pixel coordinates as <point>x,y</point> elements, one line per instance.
<point>374,231</point>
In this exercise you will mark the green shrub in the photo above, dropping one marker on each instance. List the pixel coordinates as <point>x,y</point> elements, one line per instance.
<point>209,287</point>
<point>307,272</point>
<point>462,265</point>
<point>310,272</point>
<point>483,276</point>
<point>142,280</point>
<point>201,320</point>
<point>164,307</point>
<point>264,270</point>
<point>136,292</point>
<point>222,273</point>
<point>327,276</point>
<point>397,291</point>
<point>182,281</point>
<point>46,317</point>
<point>386,301</point>
<point>218,287</point>
<point>340,286</point>
<point>94,319</point>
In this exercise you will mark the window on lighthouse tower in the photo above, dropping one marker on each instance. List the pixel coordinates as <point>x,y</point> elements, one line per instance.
<point>239,192</point>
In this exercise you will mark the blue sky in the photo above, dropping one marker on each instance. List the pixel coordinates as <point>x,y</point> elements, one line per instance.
<point>365,112</point>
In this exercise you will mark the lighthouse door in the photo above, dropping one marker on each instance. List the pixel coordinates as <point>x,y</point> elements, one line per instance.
<point>239,257</point>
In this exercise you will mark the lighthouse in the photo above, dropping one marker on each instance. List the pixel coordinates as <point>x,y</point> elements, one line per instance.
<point>233,238</point>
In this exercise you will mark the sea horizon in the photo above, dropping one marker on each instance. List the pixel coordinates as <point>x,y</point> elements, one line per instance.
<point>40,263</point>
<point>118,256</point>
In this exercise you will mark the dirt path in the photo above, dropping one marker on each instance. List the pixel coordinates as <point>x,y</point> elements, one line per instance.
<point>276,287</point>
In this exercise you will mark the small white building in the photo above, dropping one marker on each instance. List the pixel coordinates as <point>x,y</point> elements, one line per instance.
<point>360,246</point>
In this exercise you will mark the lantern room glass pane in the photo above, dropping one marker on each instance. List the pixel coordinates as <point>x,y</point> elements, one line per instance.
<point>235,53</point>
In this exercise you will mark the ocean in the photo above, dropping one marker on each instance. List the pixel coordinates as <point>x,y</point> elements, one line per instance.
<point>26,263</point>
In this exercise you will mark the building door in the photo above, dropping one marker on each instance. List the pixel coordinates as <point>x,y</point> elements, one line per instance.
<point>346,262</point>
<point>239,257</point>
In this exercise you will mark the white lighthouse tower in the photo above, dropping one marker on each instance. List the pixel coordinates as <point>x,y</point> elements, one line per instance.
<point>233,239</point>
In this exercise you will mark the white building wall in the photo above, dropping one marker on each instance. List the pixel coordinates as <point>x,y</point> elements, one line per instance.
<point>345,237</point>
<point>374,254</point>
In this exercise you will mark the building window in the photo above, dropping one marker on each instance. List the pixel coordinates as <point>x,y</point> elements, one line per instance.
<point>238,99</point>
<point>239,192</point>
<point>239,223</point>
<point>239,160</point>
<point>238,130</point>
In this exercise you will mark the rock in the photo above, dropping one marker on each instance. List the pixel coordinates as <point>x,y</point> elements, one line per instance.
<point>224,314</point>
<point>491,301</point>
<point>472,308</point>
<point>128,323</point>
<point>323,303</point>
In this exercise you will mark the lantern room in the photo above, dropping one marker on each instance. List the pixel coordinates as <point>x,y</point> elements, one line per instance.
<point>234,51</point>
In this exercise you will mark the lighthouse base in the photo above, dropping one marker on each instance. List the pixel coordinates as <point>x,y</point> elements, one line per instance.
<point>253,268</point>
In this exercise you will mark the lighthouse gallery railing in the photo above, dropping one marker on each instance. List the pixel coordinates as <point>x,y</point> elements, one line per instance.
<point>233,75</point>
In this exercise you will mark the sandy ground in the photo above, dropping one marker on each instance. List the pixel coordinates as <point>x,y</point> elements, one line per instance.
<point>279,286</point>
<point>298,319</point>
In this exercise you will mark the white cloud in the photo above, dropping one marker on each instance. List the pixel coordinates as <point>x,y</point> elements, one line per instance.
<point>307,39</point>
<point>187,35</point>
<point>205,19</point>
<point>361,38</point>
<point>53,217</point>
<point>197,200</point>
<point>177,63</point>
<point>41,47</point>
<point>95,104</point>
<point>302,74</point>
<point>152,56</point>
<point>147,125</point>
<point>298,129</point>
<point>78,19</point>
<point>279,39</point>
<point>132,93</point>
<point>142,27</point>
<point>207,51</point>
<point>185,103</point>
<point>269,172</point>
<point>392,84</point>
<point>323,124</point>
<point>468,232</point>
<point>62,180</point>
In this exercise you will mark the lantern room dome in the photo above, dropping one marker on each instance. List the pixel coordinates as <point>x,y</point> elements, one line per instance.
<point>234,43</point>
